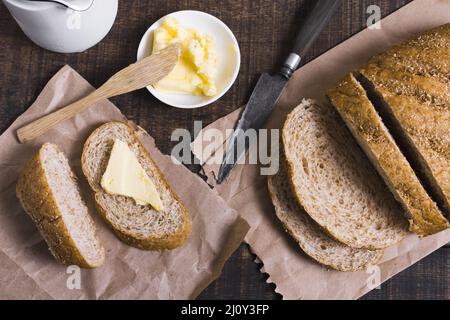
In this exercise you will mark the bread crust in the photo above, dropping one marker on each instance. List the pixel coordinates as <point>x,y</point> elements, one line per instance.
<point>411,84</point>
<point>398,225</point>
<point>352,103</point>
<point>372,257</point>
<point>166,241</point>
<point>38,201</point>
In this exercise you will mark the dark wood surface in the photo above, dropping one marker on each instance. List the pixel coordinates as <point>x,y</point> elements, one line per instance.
<point>265,30</point>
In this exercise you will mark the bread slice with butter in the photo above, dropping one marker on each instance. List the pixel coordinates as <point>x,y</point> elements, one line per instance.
<point>48,192</point>
<point>136,223</point>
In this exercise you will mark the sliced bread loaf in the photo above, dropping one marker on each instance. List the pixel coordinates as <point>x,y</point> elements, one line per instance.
<point>412,95</point>
<point>137,225</point>
<point>49,194</point>
<point>353,104</point>
<point>310,237</point>
<point>335,183</point>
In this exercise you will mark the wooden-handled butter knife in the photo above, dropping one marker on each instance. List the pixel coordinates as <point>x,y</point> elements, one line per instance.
<point>136,76</point>
<point>269,87</point>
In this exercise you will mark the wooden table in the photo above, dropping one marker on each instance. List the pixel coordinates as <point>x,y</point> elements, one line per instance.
<point>264,30</point>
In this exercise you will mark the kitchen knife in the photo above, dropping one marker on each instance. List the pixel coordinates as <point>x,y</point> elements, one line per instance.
<point>269,87</point>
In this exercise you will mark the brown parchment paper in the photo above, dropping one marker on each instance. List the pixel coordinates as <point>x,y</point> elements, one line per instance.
<point>295,275</point>
<point>27,269</point>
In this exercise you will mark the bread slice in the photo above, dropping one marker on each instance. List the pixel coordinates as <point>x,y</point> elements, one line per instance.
<point>49,194</point>
<point>335,183</point>
<point>137,225</point>
<point>351,101</point>
<point>413,98</point>
<point>309,236</point>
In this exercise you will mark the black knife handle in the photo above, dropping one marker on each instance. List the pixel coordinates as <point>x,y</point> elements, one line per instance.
<point>315,22</point>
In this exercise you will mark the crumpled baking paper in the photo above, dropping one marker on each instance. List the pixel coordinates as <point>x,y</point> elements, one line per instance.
<point>27,269</point>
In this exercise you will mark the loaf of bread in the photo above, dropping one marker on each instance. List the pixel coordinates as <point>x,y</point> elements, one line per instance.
<point>410,84</point>
<point>351,101</point>
<point>310,237</point>
<point>49,194</point>
<point>334,182</point>
<point>140,226</point>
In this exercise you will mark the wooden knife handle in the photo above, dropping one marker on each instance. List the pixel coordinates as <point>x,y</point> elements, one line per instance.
<point>40,126</point>
<point>136,76</point>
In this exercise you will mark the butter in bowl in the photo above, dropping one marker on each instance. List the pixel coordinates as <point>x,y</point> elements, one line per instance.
<point>209,59</point>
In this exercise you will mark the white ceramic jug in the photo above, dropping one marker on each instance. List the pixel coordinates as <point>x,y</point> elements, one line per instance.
<point>57,28</point>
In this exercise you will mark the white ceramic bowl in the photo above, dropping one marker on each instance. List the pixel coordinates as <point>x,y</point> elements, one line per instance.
<point>227,48</point>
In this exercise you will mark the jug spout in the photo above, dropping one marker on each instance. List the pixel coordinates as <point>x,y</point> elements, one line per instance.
<point>77,5</point>
<point>28,5</point>
<point>56,27</point>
